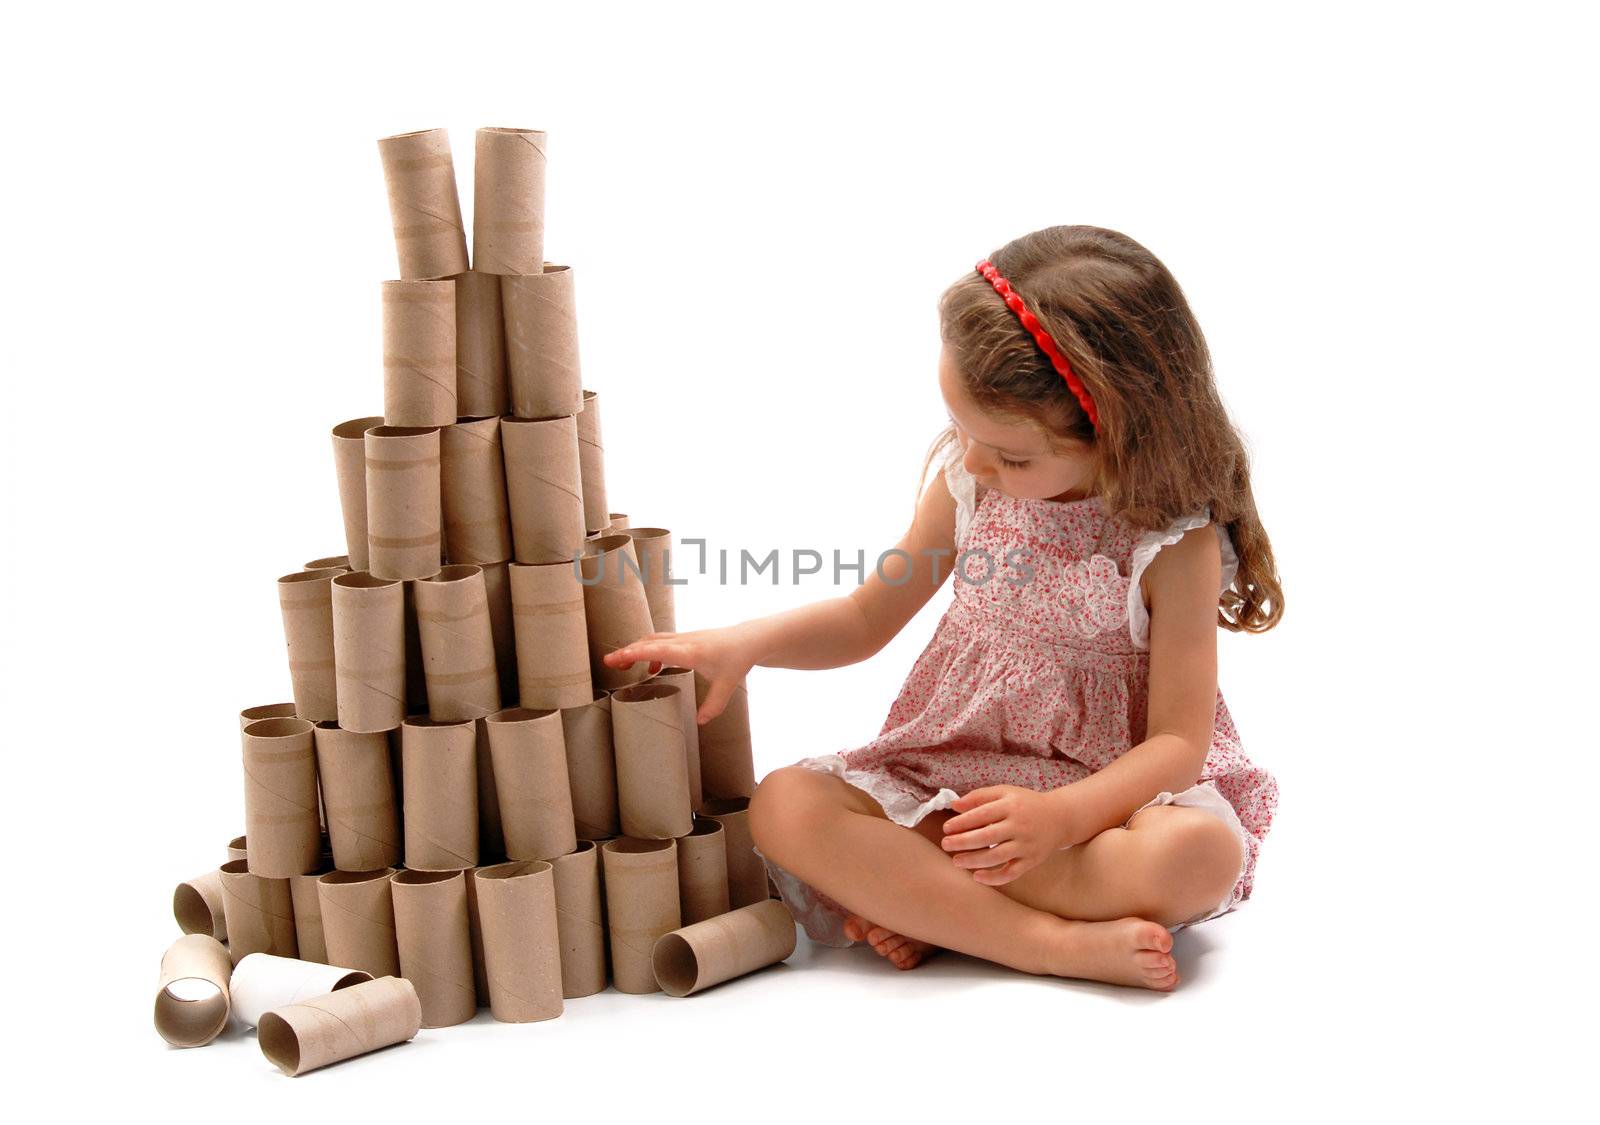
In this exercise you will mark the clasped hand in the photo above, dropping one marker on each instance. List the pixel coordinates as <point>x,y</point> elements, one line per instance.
<point>1002,831</point>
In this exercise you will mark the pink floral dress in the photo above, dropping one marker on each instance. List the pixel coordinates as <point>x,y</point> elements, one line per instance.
<point>1035,679</point>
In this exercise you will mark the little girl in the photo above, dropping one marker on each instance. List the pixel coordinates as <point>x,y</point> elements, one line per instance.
<point>1059,785</point>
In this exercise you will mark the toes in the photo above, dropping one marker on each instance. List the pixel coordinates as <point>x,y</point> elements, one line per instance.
<point>1152,935</point>
<point>854,927</point>
<point>879,934</point>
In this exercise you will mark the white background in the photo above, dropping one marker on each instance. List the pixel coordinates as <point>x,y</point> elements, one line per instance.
<point>1382,217</point>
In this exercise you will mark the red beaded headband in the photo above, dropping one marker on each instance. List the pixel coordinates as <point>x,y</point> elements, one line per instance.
<point>1013,301</point>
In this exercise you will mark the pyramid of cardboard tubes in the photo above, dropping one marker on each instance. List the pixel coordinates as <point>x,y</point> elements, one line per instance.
<point>463,805</point>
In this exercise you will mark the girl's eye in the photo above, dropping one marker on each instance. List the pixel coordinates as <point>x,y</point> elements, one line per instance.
<point>1010,464</point>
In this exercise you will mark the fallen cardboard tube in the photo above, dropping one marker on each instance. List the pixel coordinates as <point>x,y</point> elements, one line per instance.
<point>580,920</point>
<point>543,489</point>
<point>551,637</point>
<point>280,798</point>
<point>592,462</point>
<point>331,562</point>
<point>592,768</point>
<point>431,927</point>
<point>310,944</point>
<point>683,680</point>
<point>439,794</point>
<point>703,872</point>
<point>497,582</point>
<point>747,874</point>
<point>265,711</point>
<point>541,320</point>
<point>340,1025</point>
<point>457,644</point>
<point>521,940</point>
<point>508,200</point>
<point>652,761</point>
<point>197,905</point>
<point>615,610</point>
<point>262,982</point>
<point>534,794</point>
<point>192,999</point>
<point>358,789</point>
<point>641,888</point>
<point>404,522</point>
<point>727,763</point>
<point>258,912</point>
<point>358,920</point>
<point>369,647</point>
<point>729,945</point>
<point>480,347</point>
<point>419,352</point>
<point>420,175</point>
<point>350,466</point>
<point>472,482</point>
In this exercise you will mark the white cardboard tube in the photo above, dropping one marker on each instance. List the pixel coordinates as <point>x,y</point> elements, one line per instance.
<point>262,982</point>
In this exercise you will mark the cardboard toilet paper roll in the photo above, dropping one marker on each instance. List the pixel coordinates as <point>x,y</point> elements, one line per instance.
<point>508,201</point>
<point>369,651</point>
<point>641,886</point>
<point>477,523</point>
<point>615,609</point>
<point>529,752</point>
<point>619,521</point>
<point>727,762</point>
<point>404,517</point>
<point>429,237</point>
<point>280,798</point>
<point>521,941</point>
<point>262,982</point>
<point>309,943</point>
<point>747,874</point>
<point>652,761</point>
<point>358,790</point>
<point>721,948</point>
<point>440,794</point>
<point>197,905</point>
<point>350,463</point>
<point>541,315</point>
<point>480,347</point>
<point>592,768</point>
<point>352,1021</point>
<point>457,645</point>
<point>258,913</point>
<point>331,562</point>
<point>683,680</point>
<point>703,872</point>
<point>236,848</point>
<point>497,582</point>
<point>358,920</point>
<point>265,711</point>
<point>305,600</point>
<point>430,919</point>
<point>192,999</point>
<point>542,488</point>
<point>653,547</point>
<point>592,463</point>
<point>419,352</point>
<point>580,920</point>
<point>552,638</point>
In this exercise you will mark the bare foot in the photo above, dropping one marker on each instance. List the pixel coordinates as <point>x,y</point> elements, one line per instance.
<point>902,952</point>
<point>1128,951</point>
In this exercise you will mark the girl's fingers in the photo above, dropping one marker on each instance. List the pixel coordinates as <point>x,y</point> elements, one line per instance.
<point>982,837</point>
<point>716,699</point>
<point>987,813</point>
<point>996,856</point>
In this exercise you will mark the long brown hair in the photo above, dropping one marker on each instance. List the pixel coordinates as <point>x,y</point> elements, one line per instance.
<point>1166,447</point>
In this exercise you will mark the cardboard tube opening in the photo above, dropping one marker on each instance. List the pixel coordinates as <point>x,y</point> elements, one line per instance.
<point>675,964</point>
<point>638,844</point>
<point>332,562</point>
<point>279,1042</point>
<point>456,572</point>
<point>191,910</point>
<point>518,714</point>
<point>357,427</point>
<point>422,878</point>
<point>277,728</point>
<point>639,693</point>
<point>363,580</point>
<point>265,711</point>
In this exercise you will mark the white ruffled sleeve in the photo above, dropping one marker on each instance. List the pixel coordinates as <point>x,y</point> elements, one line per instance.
<point>1145,550</point>
<point>964,489</point>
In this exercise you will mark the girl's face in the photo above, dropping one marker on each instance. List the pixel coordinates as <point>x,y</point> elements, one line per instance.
<point>1012,456</point>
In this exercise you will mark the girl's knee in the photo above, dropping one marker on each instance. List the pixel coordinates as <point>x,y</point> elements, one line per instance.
<point>1192,862</point>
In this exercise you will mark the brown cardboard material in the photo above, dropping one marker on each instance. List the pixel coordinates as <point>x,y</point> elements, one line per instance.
<point>369,651</point>
<point>480,974</point>
<point>534,794</point>
<point>497,583</point>
<point>192,1000</point>
<point>307,906</point>
<point>352,1021</point>
<point>331,562</point>
<point>305,600</point>
<point>551,637</point>
<point>543,488</point>
<point>727,762</point>
<point>280,798</point>
<point>652,761</point>
<point>477,523</point>
<point>430,918</point>
<point>592,463</point>
<point>197,905</point>
<point>358,790</point>
<point>236,846</point>
<point>419,352</point>
<point>521,940</point>
<point>480,347</point>
<point>541,317</point>
<point>358,920</point>
<point>508,201</point>
<point>718,949</point>
<point>265,711</point>
<point>420,175</point>
<point>440,794</point>
<point>457,645</point>
<point>641,886</point>
<point>350,464</point>
<point>262,982</point>
<point>258,913</point>
<point>491,834</point>
<point>580,920</point>
<point>653,546</point>
<point>703,872</point>
<point>404,518</point>
<point>683,680</point>
<point>619,522</point>
<point>747,874</point>
<point>615,609</point>
<point>592,768</point>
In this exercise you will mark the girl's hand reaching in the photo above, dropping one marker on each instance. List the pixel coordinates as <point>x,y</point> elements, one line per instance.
<point>723,656</point>
<point>1022,825</point>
